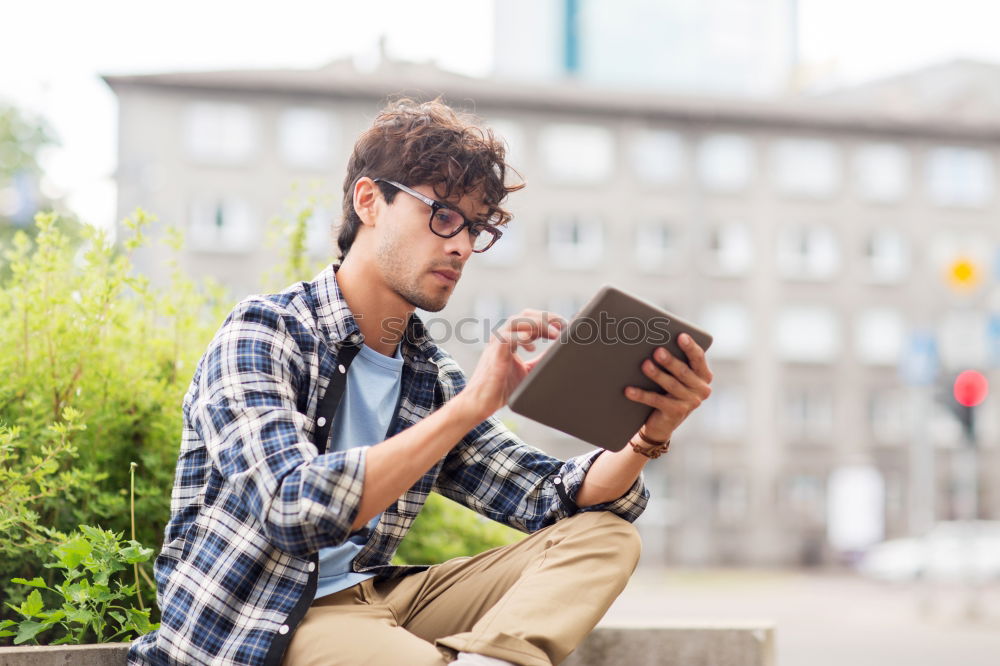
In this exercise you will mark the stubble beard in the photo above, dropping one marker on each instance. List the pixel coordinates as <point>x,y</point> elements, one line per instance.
<point>395,270</point>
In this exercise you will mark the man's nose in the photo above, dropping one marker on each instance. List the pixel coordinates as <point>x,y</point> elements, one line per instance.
<point>461,244</point>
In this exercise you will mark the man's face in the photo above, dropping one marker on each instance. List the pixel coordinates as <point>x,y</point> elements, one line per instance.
<point>411,256</point>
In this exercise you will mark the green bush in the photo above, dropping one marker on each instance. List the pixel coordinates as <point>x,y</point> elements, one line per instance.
<point>95,362</point>
<point>81,331</point>
<point>444,530</point>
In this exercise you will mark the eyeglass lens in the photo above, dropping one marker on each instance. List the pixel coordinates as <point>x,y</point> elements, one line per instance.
<point>446,222</point>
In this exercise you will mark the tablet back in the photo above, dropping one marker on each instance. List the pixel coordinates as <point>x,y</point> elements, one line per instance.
<point>578,386</point>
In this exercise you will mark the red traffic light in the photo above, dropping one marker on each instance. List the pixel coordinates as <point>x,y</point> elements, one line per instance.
<point>970,388</point>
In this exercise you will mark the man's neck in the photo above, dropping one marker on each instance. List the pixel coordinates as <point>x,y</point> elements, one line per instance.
<point>380,313</point>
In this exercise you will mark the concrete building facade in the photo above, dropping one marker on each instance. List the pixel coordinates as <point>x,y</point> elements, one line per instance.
<point>811,236</point>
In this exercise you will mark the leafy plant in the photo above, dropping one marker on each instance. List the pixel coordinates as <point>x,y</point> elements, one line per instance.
<point>445,529</point>
<point>81,329</point>
<point>93,604</point>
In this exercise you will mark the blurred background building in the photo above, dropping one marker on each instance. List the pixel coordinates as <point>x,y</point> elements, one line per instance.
<point>813,235</point>
<point>692,46</point>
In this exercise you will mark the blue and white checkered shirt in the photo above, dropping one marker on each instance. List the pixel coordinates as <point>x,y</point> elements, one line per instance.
<point>254,500</point>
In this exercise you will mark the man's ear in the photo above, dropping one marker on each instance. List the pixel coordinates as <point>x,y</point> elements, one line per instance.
<point>367,200</point>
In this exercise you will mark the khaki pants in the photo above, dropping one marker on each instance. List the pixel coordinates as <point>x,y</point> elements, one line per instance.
<point>528,603</point>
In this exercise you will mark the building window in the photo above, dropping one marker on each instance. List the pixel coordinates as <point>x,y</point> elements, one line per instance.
<point>657,156</point>
<point>879,335</point>
<point>887,416</point>
<point>489,312</point>
<point>657,246</point>
<point>807,253</point>
<point>729,324</point>
<point>808,414</point>
<point>730,497</point>
<point>725,414</point>
<point>319,233</point>
<point>962,338</point>
<point>725,162</point>
<point>576,242</point>
<point>960,176</point>
<point>887,256</point>
<point>807,334</point>
<point>730,249</point>
<point>223,224</point>
<point>579,154</point>
<point>806,167</point>
<point>506,251</point>
<point>882,172</point>
<point>511,133</point>
<point>805,497</point>
<point>217,133</point>
<point>305,137</point>
<point>565,305</point>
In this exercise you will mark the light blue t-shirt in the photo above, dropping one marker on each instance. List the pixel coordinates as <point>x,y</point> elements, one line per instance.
<point>362,419</point>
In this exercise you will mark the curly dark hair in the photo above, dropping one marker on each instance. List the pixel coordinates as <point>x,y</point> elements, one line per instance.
<point>428,143</point>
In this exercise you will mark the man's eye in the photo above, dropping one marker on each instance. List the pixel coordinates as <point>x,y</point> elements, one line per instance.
<point>447,217</point>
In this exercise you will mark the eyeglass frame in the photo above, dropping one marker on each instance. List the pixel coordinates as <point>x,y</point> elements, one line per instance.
<point>436,206</point>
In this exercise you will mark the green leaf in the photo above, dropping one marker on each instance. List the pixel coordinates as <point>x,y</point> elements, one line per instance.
<point>80,616</point>
<point>27,630</point>
<point>33,605</point>
<point>102,594</point>
<point>135,553</point>
<point>52,616</point>
<point>139,620</point>
<point>78,592</point>
<point>118,616</point>
<point>74,551</point>
<point>37,581</point>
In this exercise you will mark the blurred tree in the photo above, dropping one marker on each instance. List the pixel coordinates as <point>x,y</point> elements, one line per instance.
<point>23,137</point>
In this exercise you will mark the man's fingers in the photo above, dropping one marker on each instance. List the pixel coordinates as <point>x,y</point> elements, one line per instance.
<point>696,356</point>
<point>683,372</point>
<point>516,338</point>
<point>668,382</point>
<point>536,324</point>
<point>656,400</point>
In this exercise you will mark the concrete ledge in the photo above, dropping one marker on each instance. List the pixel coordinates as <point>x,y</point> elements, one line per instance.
<point>102,654</point>
<point>675,644</point>
<point>671,644</point>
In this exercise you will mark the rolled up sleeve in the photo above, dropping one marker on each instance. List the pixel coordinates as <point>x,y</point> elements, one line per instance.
<point>492,471</point>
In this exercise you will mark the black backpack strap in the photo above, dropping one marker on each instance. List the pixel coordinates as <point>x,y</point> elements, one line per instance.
<point>328,404</point>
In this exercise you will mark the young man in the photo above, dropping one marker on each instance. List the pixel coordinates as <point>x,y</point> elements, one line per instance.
<point>320,418</point>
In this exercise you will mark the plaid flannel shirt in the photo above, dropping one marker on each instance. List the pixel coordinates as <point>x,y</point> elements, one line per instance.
<point>254,500</point>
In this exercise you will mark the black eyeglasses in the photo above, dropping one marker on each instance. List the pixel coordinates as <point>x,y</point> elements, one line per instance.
<point>447,222</point>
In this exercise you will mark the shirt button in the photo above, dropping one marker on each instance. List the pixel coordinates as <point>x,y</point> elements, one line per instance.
<point>321,421</point>
<point>283,629</point>
<point>342,368</point>
<point>312,566</point>
<point>556,481</point>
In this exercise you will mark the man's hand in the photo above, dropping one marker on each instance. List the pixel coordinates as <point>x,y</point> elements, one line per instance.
<point>686,387</point>
<point>500,369</point>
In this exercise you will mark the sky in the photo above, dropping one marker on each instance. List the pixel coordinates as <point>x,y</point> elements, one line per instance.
<point>52,52</point>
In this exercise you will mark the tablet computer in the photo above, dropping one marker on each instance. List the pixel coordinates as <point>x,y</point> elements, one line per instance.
<point>579,385</point>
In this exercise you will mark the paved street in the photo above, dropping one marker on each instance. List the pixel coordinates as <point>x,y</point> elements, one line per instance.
<point>827,619</point>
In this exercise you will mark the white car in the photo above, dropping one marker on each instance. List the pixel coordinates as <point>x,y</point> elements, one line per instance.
<point>951,551</point>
